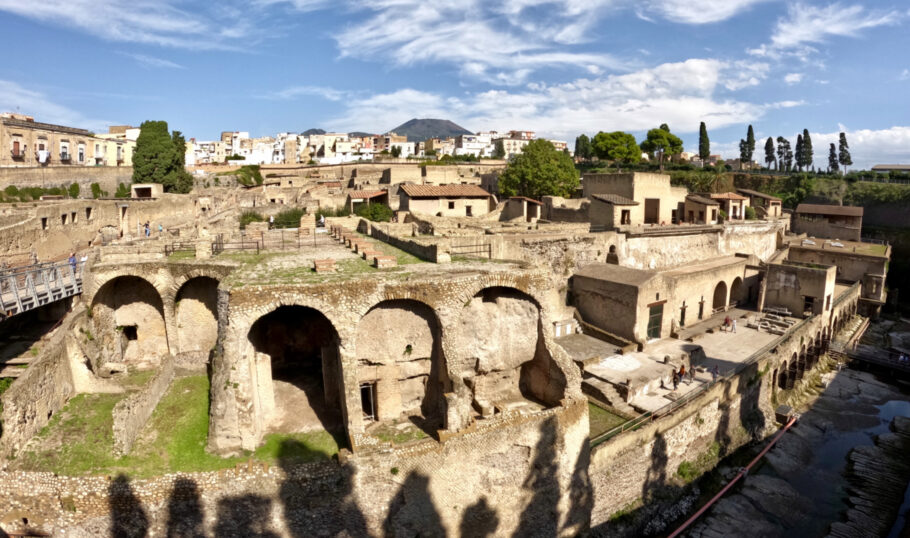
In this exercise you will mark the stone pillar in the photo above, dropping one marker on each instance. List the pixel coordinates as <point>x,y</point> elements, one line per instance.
<point>203,249</point>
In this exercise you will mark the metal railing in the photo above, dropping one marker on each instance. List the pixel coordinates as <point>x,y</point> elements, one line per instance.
<point>25,288</point>
<point>668,409</point>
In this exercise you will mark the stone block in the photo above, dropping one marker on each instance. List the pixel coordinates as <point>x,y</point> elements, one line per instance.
<point>369,254</point>
<point>381,262</point>
<point>324,266</point>
<point>360,246</point>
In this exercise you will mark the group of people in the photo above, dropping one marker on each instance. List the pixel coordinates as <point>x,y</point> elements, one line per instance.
<point>680,375</point>
<point>148,228</point>
<point>729,324</point>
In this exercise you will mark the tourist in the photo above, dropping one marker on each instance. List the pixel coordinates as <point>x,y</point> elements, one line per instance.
<point>72,261</point>
<point>148,230</point>
<point>727,323</point>
<point>682,373</point>
<point>160,228</point>
<point>715,372</point>
<point>734,326</point>
<point>675,380</point>
<point>271,221</point>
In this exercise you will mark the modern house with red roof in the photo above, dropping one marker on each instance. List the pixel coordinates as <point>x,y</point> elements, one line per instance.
<point>445,200</point>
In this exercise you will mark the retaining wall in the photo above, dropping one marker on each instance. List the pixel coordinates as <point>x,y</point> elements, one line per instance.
<point>62,176</point>
<point>132,412</point>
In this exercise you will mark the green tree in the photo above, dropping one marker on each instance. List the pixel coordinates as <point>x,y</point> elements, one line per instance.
<point>499,150</point>
<point>800,153</point>
<point>123,191</point>
<point>782,145</point>
<point>96,190</point>
<point>843,152</point>
<point>539,170</point>
<point>808,154</point>
<point>377,212</point>
<point>396,151</point>
<point>160,158</point>
<point>704,144</point>
<point>833,165</point>
<point>750,144</point>
<point>660,141</point>
<point>583,149</point>
<point>73,191</point>
<point>617,146</point>
<point>769,152</point>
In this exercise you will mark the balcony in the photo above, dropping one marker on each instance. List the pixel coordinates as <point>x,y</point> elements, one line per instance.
<point>64,156</point>
<point>17,154</point>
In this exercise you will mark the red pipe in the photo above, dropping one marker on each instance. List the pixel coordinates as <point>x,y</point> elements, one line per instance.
<point>742,472</point>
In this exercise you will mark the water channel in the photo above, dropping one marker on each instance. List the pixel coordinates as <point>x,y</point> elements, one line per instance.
<point>800,487</point>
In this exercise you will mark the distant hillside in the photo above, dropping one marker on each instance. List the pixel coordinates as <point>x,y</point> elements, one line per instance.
<point>311,132</point>
<point>418,130</point>
<point>359,134</point>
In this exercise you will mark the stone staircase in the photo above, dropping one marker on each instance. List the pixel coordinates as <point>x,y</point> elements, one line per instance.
<point>605,392</point>
<point>14,367</point>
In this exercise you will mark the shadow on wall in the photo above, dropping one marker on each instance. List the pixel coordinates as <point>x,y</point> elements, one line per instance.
<point>328,508</point>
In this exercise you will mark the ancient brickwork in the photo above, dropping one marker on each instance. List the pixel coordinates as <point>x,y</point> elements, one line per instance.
<point>132,412</point>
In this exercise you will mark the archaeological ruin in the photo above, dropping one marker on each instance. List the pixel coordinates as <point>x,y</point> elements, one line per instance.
<point>478,365</point>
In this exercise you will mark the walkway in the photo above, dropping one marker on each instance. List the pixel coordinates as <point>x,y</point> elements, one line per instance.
<point>29,287</point>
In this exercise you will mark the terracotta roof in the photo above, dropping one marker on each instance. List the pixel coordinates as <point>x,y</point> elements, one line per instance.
<point>833,210</point>
<point>526,199</point>
<point>366,194</point>
<point>614,199</point>
<point>756,194</point>
<point>727,196</point>
<point>701,200</point>
<point>444,191</point>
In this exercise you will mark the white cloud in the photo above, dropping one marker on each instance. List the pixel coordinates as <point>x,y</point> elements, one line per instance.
<point>905,75</point>
<point>868,147</point>
<point>329,94</point>
<point>807,25</point>
<point>745,74</point>
<point>139,21</point>
<point>793,78</point>
<point>696,11</point>
<point>680,94</point>
<point>151,61</point>
<point>14,97</point>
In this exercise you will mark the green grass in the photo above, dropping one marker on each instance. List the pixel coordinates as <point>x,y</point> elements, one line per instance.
<point>182,255</point>
<point>602,420</point>
<point>79,439</point>
<point>403,258</point>
<point>390,434</point>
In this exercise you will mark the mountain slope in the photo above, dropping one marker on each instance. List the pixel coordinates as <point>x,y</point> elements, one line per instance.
<point>418,130</point>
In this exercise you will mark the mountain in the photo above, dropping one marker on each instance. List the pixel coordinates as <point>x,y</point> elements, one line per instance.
<point>311,132</point>
<point>418,130</point>
<point>359,134</point>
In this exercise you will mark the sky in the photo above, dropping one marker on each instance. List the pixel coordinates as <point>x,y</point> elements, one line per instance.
<point>557,67</point>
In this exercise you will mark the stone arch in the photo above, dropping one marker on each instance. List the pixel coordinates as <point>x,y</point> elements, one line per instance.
<point>506,361</point>
<point>128,316</point>
<point>401,368</point>
<point>736,291</point>
<point>196,318</point>
<point>782,377</point>
<point>720,296</point>
<point>297,370</point>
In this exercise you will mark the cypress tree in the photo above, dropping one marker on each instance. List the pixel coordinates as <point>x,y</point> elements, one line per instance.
<point>800,158</point>
<point>704,144</point>
<point>750,144</point>
<point>782,146</point>
<point>843,154</point>
<point>769,153</point>
<point>808,155</point>
<point>832,159</point>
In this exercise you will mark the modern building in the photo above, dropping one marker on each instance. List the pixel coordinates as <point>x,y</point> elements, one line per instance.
<point>445,200</point>
<point>765,205</point>
<point>27,142</point>
<point>829,221</point>
<point>732,204</point>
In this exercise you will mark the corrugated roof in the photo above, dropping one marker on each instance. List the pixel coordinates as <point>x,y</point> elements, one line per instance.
<point>366,194</point>
<point>526,199</point>
<point>614,199</point>
<point>701,200</point>
<point>833,210</point>
<point>756,194</point>
<point>727,196</point>
<point>444,191</point>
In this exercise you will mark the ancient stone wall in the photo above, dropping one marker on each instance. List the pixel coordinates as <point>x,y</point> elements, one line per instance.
<point>108,177</point>
<point>131,413</point>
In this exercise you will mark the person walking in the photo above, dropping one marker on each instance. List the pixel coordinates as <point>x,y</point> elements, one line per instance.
<point>271,221</point>
<point>734,326</point>
<point>727,323</point>
<point>72,261</point>
<point>715,372</point>
<point>682,373</point>
<point>675,380</point>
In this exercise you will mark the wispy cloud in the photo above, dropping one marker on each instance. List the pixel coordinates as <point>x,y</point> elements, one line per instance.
<point>808,25</point>
<point>695,11</point>
<point>681,94</point>
<point>151,61</point>
<point>793,78</point>
<point>141,21</point>
<point>14,97</point>
<point>294,92</point>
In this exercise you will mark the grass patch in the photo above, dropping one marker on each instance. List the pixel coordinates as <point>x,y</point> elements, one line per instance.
<point>79,439</point>
<point>182,255</point>
<point>601,420</point>
<point>689,471</point>
<point>390,434</point>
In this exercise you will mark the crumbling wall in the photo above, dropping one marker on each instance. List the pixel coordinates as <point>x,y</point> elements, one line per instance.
<point>131,413</point>
<point>197,320</point>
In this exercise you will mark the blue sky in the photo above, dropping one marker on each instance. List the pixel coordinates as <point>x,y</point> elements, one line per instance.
<point>559,67</point>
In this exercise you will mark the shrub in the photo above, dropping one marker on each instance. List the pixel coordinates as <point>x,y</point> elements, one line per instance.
<point>250,216</point>
<point>750,213</point>
<point>375,212</point>
<point>249,175</point>
<point>96,190</point>
<point>123,191</point>
<point>289,218</point>
<point>73,191</point>
<point>12,190</point>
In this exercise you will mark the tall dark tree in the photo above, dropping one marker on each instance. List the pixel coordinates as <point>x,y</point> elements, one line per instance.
<point>159,157</point>
<point>769,153</point>
<point>750,145</point>
<point>788,158</point>
<point>808,154</point>
<point>783,146</point>
<point>583,147</point>
<point>743,152</point>
<point>843,152</point>
<point>800,156</point>
<point>704,144</point>
<point>832,159</point>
